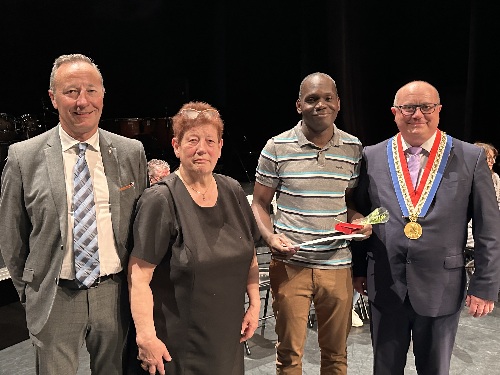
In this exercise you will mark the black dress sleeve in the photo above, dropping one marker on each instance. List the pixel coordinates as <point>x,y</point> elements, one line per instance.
<point>154,225</point>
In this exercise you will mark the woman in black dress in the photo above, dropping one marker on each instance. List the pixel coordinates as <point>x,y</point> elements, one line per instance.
<point>194,259</point>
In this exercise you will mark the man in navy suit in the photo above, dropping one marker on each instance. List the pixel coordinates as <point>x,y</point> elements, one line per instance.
<point>36,228</point>
<point>412,267</point>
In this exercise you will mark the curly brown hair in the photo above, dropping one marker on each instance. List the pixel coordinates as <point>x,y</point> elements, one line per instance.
<point>195,114</point>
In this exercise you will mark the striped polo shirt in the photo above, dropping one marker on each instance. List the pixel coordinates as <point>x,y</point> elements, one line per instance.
<point>310,185</point>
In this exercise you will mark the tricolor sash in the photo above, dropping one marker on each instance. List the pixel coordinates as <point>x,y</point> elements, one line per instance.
<point>415,203</point>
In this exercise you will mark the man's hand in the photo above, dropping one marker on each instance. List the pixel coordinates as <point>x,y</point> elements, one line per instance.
<point>478,307</point>
<point>281,246</point>
<point>359,283</point>
<point>366,230</point>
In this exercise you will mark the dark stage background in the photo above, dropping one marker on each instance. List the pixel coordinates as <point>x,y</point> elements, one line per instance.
<point>248,59</point>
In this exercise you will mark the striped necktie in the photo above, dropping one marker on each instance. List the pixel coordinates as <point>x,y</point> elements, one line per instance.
<point>85,227</point>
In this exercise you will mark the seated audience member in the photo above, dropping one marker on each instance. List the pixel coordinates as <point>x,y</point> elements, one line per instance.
<point>157,170</point>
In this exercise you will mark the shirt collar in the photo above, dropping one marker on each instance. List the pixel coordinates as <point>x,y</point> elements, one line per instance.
<point>68,142</point>
<point>427,145</point>
<point>302,140</point>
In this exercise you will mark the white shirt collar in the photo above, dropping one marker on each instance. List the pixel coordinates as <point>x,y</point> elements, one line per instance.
<point>68,142</point>
<point>427,145</point>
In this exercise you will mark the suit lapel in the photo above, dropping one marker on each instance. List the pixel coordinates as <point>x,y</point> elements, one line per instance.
<point>57,184</point>
<point>452,154</point>
<point>112,171</point>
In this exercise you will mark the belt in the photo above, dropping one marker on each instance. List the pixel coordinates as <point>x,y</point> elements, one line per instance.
<point>75,285</point>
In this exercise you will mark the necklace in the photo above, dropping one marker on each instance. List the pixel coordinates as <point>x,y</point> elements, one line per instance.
<point>197,191</point>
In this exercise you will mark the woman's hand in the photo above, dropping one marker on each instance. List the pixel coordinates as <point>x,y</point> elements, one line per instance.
<point>250,322</point>
<point>151,354</point>
<point>152,351</point>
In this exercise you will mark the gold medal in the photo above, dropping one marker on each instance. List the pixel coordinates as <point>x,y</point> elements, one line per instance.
<point>413,230</point>
<point>415,204</point>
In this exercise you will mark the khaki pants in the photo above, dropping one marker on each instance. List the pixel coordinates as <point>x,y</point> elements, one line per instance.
<point>293,290</point>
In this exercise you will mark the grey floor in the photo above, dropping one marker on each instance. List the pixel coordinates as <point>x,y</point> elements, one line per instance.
<point>477,351</point>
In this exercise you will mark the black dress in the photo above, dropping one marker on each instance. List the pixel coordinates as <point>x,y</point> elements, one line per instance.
<point>203,256</point>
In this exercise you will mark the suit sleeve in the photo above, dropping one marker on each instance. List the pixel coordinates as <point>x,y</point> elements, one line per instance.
<point>15,224</point>
<point>486,230</point>
<point>143,169</point>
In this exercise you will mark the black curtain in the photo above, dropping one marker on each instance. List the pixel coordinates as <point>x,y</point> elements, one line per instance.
<point>248,59</point>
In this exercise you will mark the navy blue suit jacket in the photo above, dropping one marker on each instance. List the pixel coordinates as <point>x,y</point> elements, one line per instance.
<point>431,268</point>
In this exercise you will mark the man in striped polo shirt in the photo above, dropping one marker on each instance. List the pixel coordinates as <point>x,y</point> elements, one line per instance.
<point>311,168</point>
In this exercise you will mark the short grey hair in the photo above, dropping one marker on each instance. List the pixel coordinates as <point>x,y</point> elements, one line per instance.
<point>63,59</point>
<point>324,75</point>
<point>157,166</point>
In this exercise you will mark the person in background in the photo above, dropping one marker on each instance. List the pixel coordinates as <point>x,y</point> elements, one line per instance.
<point>491,156</point>
<point>312,169</point>
<point>412,267</point>
<point>66,202</point>
<point>157,170</point>
<point>194,259</point>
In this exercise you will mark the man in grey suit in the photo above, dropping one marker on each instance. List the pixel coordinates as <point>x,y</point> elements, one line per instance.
<point>39,231</point>
<point>412,267</point>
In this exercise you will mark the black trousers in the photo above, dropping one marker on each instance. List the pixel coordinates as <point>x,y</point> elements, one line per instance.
<point>392,330</point>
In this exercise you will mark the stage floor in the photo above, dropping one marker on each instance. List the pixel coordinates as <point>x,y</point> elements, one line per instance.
<point>476,351</point>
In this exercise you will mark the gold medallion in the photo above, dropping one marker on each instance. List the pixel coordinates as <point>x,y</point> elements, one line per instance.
<point>413,230</point>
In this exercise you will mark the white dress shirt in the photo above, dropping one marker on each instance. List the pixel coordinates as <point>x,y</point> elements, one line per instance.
<point>108,255</point>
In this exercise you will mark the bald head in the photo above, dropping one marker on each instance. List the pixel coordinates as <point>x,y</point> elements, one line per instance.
<point>416,86</point>
<point>417,125</point>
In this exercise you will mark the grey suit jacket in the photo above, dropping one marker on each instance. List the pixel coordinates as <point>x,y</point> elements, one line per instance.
<point>430,269</point>
<point>33,212</point>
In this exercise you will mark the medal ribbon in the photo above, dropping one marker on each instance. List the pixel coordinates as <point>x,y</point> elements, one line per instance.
<point>416,203</point>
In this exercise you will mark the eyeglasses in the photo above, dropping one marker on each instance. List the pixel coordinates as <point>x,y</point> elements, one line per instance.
<point>192,114</point>
<point>410,109</point>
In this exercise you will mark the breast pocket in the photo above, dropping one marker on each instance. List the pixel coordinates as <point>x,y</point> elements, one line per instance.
<point>454,188</point>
